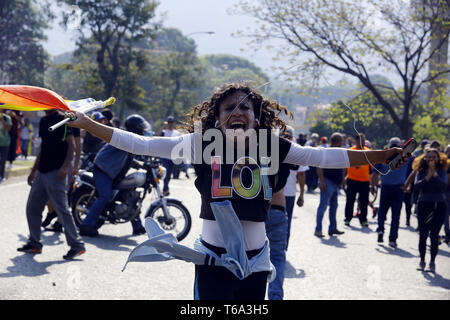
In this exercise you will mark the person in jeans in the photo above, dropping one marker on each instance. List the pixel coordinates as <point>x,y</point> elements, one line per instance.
<point>431,181</point>
<point>356,182</point>
<point>5,140</point>
<point>330,182</point>
<point>48,181</point>
<point>276,229</point>
<point>110,167</point>
<point>26,132</point>
<point>239,107</point>
<point>391,195</point>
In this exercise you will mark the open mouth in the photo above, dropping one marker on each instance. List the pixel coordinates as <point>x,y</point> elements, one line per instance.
<point>235,125</point>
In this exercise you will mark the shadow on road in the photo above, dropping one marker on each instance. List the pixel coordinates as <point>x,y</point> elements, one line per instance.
<point>443,250</point>
<point>360,229</point>
<point>436,280</point>
<point>334,241</point>
<point>115,243</point>
<point>25,265</point>
<point>395,251</point>
<point>291,272</point>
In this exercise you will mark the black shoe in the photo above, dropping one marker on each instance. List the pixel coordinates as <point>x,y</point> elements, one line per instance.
<point>432,267</point>
<point>407,223</point>
<point>393,244</point>
<point>29,248</point>
<point>319,234</point>
<point>88,231</point>
<point>380,238</point>
<point>421,266</point>
<point>49,218</point>
<point>364,224</point>
<point>335,232</point>
<point>139,231</point>
<point>73,253</point>
<point>56,227</point>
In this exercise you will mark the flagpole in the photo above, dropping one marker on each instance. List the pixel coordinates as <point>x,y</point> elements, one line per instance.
<point>92,106</point>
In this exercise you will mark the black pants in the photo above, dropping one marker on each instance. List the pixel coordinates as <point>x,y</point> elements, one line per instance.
<point>218,283</point>
<point>311,179</point>
<point>431,218</point>
<point>354,187</point>
<point>12,146</point>
<point>407,199</point>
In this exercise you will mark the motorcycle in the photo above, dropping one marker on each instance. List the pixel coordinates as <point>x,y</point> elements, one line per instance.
<point>127,197</point>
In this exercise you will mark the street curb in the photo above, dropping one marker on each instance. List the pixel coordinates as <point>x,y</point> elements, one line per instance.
<point>17,172</point>
<point>19,168</point>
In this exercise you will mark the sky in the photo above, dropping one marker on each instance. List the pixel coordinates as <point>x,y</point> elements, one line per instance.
<point>189,17</point>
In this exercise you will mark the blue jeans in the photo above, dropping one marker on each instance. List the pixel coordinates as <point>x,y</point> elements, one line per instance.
<point>328,197</point>
<point>24,146</point>
<point>290,201</point>
<point>390,197</point>
<point>169,165</point>
<point>276,226</point>
<point>104,185</point>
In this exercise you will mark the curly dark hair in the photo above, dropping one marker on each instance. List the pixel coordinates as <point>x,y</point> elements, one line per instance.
<point>267,111</point>
<point>421,164</point>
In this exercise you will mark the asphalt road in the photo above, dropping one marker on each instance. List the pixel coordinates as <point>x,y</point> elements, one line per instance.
<point>349,267</point>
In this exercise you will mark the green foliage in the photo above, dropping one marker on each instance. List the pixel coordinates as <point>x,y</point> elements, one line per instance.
<point>434,121</point>
<point>358,38</point>
<point>114,27</point>
<point>367,116</point>
<point>219,69</point>
<point>23,59</point>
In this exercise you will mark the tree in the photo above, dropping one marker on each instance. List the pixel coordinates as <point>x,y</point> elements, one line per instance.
<point>23,59</point>
<point>358,37</point>
<point>173,76</point>
<point>362,112</point>
<point>109,29</point>
<point>219,69</point>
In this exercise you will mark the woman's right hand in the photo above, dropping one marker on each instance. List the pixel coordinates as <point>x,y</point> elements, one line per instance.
<point>80,120</point>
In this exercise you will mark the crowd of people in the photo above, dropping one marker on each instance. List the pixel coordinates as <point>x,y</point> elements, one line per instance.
<point>421,186</point>
<point>258,205</point>
<point>16,137</point>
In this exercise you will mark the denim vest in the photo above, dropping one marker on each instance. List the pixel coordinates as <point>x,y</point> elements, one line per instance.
<point>163,246</point>
<point>111,160</point>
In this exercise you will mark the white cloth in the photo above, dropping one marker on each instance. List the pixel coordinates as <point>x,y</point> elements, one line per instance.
<point>164,146</point>
<point>290,188</point>
<point>254,234</point>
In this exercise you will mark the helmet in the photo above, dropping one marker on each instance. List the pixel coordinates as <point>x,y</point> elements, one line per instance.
<point>137,124</point>
<point>395,142</point>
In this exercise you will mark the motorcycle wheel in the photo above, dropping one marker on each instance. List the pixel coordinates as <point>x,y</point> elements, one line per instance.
<point>81,203</point>
<point>180,225</point>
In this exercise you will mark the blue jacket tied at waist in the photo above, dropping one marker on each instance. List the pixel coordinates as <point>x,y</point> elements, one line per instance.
<point>163,246</point>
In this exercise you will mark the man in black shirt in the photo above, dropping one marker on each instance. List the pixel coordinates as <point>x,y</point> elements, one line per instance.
<point>48,180</point>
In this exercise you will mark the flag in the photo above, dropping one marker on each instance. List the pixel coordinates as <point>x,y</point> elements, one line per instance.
<point>29,98</point>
